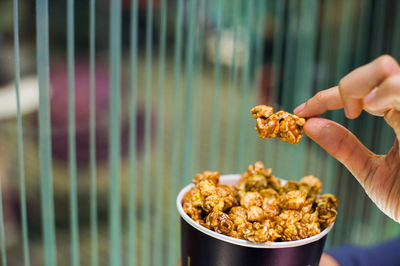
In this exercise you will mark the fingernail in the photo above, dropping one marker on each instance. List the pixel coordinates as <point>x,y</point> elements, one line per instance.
<point>299,108</point>
<point>370,97</point>
<point>347,113</point>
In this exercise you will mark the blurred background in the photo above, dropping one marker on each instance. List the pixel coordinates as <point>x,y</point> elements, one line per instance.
<point>123,102</point>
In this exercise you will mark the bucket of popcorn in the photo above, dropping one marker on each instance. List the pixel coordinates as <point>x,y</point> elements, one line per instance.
<point>254,219</point>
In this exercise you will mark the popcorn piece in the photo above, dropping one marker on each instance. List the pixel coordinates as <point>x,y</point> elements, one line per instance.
<point>286,225</point>
<point>326,205</point>
<point>262,111</point>
<point>219,222</point>
<point>270,196</point>
<point>292,226</point>
<point>307,209</point>
<point>227,194</point>
<point>309,217</point>
<point>283,125</point>
<point>255,214</point>
<point>256,182</point>
<point>207,175</point>
<point>259,169</point>
<point>308,229</point>
<point>238,215</point>
<point>248,199</point>
<point>288,216</point>
<point>241,226</point>
<point>327,199</point>
<point>290,186</point>
<point>192,211</point>
<point>256,177</point>
<point>311,185</point>
<point>244,230</point>
<point>270,210</point>
<point>326,216</point>
<point>275,183</point>
<point>194,197</point>
<point>293,200</point>
<point>213,203</point>
<point>262,232</point>
<point>207,188</point>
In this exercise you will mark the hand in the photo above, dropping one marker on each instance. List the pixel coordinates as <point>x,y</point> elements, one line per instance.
<point>328,260</point>
<point>375,88</point>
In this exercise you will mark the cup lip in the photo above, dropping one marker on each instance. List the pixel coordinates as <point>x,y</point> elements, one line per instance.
<point>230,179</point>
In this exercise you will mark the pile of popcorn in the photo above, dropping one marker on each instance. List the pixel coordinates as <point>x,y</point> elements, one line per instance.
<point>259,208</point>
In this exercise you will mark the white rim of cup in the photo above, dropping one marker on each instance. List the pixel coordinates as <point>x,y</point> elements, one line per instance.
<point>230,179</point>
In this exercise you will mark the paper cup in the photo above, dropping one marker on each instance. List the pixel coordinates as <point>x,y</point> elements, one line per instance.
<point>203,247</point>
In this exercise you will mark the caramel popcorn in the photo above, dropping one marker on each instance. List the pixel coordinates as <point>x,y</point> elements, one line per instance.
<point>283,125</point>
<point>293,200</point>
<point>207,188</point>
<point>213,203</point>
<point>311,185</point>
<point>219,222</point>
<point>262,232</point>
<point>207,175</point>
<point>270,210</point>
<point>270,195</point>
<point>255,214</point>
<point>259,209</point>
<point>238,214</point>
<point>248,199</point>
<point>326,205</point>
<point>290,186</point>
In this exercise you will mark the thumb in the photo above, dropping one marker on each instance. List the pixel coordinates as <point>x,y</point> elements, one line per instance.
<point>343,145</point>
<point>392,117</point>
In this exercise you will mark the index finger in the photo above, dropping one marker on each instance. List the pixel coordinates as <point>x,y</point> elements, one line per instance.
<point>320,103</point>
<point>360,82</point>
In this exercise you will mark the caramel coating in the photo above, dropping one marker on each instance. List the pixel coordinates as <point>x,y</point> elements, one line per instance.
<point>227,194</point>
<point>311,185</point>
<point>270,196</point>
<point>248,199</point>
<point>255,214</point>
<point>238,214</point>
<point>256,182</point>
<point>194,197</point>
<point>283,125</point>
<point>213,203</point>
<point>259,169</point>
<point>290,186</point>
<point>270,210</point>
<point>262,232</point>
<point>293,200</point>
<point>275,184</point>
<point>259,208</point>
<point>192,211</point>
<point>207,175</point>
<point>326,205</point>
<point>207,188</point>
<point>291,226</point>
<point>327,199</point>
<point>219,222</point>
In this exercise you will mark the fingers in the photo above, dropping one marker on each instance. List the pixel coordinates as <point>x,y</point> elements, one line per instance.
<point>352,89</point>
<point>356,85</point>
<point>320,103</point>
<point>343,145</point>
<point>383,98</point>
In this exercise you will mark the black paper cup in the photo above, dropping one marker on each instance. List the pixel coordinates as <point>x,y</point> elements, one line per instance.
<point>203,247</point>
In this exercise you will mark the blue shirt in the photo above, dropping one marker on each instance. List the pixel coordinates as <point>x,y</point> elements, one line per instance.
<point>385,254</point>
